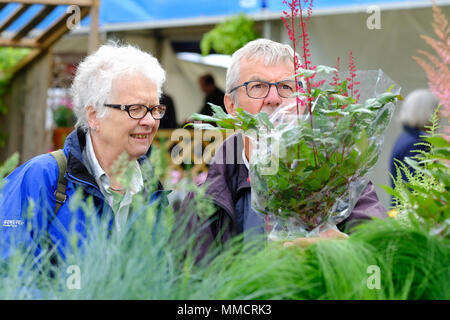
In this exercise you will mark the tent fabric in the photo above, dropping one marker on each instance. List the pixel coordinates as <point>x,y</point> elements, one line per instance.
<point>132,11</point>
<point>120,11</point>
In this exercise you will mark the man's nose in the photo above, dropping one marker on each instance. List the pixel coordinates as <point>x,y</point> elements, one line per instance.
<point>273,99</point>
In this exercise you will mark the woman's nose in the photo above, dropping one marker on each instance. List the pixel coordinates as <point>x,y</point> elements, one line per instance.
<point>147,119</point>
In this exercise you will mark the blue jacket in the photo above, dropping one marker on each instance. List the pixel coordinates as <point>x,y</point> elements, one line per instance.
<point>22,224</point>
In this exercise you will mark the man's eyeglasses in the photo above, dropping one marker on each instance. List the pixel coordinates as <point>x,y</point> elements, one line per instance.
<point>139,111</point>
<point>260,89</point>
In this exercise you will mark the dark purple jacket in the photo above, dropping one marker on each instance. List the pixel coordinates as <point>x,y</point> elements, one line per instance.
<point>228,179</point>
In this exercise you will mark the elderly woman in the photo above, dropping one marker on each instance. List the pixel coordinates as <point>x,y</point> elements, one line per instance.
<point>415,114</point>
<point>116,94</point>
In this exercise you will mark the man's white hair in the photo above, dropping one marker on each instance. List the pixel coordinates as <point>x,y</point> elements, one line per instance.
<point>271,52</point>
<point>95,74</point>
<point>417,108</point>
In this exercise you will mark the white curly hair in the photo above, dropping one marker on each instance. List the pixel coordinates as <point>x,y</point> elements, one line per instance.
<point>271,52</point>
<point>93,80</point>
<point>417,108</point>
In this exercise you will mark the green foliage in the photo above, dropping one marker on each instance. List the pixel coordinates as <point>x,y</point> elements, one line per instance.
<point>229,36</point>
<point>426,193</point>
<point>64,116</point>
<point>153,258</point>
<point>7,167</point>
<point>9,57</point>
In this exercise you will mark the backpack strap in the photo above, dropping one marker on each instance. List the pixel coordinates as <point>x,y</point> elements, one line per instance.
<point>60,192</point>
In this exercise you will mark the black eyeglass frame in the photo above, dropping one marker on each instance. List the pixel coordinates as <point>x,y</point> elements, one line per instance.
<point>245,84</point>
<point>126,107</point>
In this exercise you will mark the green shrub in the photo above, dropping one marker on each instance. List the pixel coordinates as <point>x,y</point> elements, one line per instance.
<point>229,36</point>
<point>149,261</point>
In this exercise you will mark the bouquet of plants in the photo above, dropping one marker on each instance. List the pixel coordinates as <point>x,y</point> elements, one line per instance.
<point>310,158</point>
<point>308,170</point>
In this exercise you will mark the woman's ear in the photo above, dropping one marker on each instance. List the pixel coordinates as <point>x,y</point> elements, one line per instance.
<point>229,104</point>
<point>91,115</point>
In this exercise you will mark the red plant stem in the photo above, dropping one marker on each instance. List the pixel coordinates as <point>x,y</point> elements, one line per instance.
<point>305,57</point>
<point>295,69</point>
<point>295,60</point>
<point>308,84</point>
<point>353,84</point>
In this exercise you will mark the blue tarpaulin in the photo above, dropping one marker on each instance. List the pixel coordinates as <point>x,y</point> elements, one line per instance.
<point>131,11</point>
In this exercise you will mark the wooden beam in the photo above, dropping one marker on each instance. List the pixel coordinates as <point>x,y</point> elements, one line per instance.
<point>93,33</point>
<point>33,22</point>
<point>46,38</point>
<point>13,16</point>
<point>58,29</point>
<point>81,3</point>
<point>2,5</point>
<point>24,43</point>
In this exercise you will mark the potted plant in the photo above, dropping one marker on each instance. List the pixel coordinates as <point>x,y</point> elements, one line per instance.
<point>65,120</point>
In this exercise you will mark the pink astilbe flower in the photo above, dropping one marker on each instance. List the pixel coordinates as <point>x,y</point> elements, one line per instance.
<point>296,9</point>
<point>175,177</point>
<point>305,45</point>
<point>289,23</point>
<point>67,102</point>
<point>351,80</point>
<point>200,178</point>
<point>437,69</point>
<point>336,80</point>
<point>318,83</point>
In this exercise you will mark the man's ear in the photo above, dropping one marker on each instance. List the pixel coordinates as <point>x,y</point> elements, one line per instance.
<point>91,115</point>
<point>229,104</point>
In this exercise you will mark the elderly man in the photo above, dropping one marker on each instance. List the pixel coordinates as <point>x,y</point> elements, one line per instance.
<point>265,64</point>
<point>116,94</point>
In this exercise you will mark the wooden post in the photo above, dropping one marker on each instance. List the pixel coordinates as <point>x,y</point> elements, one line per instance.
<point>93,34</point>
<point>27,107</point>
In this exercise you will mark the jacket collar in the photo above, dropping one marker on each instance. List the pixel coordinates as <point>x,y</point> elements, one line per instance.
<point>228,175</point>
<point>414,131</point>
<point>76,170</point>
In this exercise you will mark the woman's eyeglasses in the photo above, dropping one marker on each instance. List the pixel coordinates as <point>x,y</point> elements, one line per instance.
<point>139,111</point>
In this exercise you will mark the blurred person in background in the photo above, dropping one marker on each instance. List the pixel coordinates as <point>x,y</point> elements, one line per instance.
<point>169,121</point>
<point>170,117</point>
<point>415,114</point>
<point>212,94</point>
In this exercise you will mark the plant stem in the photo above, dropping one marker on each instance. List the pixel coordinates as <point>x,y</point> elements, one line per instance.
<point>295,67</point>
